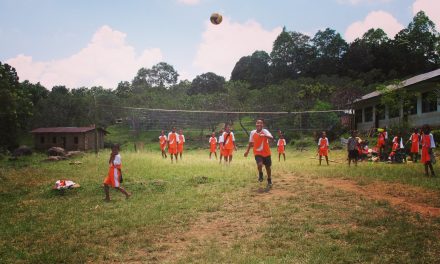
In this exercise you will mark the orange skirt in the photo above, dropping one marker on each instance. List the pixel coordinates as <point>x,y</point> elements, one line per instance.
<point>323,152</point>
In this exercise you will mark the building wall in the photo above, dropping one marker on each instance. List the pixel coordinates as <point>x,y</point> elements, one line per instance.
<point>416,120</point>
<point>86,141</point>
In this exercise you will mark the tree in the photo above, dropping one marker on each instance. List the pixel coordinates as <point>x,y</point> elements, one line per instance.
<point>329,48</point>
<point>207,83</point>
<point>160,75</point>
<point>253,69</point>
<point>15,108</point>
<point>124,89</point>
<point>417,46</point>
<point>291,55</point>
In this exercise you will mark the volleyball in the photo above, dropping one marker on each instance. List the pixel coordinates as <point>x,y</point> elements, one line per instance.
<point>216,18</point>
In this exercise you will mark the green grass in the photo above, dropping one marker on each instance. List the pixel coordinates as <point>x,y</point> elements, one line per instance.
<point>197,211</point>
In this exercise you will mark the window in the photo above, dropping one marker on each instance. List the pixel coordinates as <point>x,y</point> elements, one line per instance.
<point>394,110</point>
<point>358,115</point>
<point>54,140</point>
<point>369,114</point>
<point>42,140</point>
<point>429,102</point>
<point>411,106</point>
<point>380,112</point>
<point>75,140</point>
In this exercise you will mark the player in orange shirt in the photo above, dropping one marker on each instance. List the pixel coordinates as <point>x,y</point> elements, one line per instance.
<point>173,140</point>
<point>323,147</point>
<point>259,140</point>
<point>213,145</point>
<point>163,143</point>
<point>180,143</point>
<point>114,176</point>
<point>228,144</point>
<point>281,147</point>
<point>415,144</point>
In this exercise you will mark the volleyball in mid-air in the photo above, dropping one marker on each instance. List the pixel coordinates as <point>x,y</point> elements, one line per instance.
<point>216,18</point>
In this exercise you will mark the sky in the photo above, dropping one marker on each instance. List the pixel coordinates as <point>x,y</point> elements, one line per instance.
<point>102,42</point>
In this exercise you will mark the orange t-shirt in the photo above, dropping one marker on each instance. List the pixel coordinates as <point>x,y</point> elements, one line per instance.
<point>181,140</point>
<point>173,140</point>
<point>261,143</point>
<point>213,143</point>
<point>162,140</point>
<point>228,140</point>
<point>281,145</point>
<point>323,143</point>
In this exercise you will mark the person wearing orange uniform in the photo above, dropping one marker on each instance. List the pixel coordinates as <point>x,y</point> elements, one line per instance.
<point>381,139</point>
<point>163,144</point>
<point>180,143</point>
<point>259,141</point>
<point>173,140</point>
<point>323,147</point>
<point>415,144</point>
<point>428,145</point>
<point>228,144</point>
<point>281,144</point>
<point>213,145</point>
<point>114,176</point>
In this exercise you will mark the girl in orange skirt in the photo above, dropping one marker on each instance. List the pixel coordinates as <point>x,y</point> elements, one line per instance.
<point>114,175</point>
<point>323,147</point>
<point>281,147</point>
<point>428,145</point>
<point>415,143</point>
<point>213,145</point>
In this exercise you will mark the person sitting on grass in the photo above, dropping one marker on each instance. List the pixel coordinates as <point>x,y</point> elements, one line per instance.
<point>323,147</point>
<point>281,144</point>
<point>352,148</point>
<point>428,146</point>
<point>259,140</point>
<point>114,176</point>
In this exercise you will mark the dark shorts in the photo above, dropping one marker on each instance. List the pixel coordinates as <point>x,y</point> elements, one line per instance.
<point>353,154</point>
<point>267,161</point>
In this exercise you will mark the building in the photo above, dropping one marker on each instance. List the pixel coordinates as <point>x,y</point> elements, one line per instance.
<point>422,105</point>
<point>69,138</point>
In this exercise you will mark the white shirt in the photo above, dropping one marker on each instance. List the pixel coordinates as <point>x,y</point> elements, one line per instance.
<point>214,138</point>
<point>319,142</point>
<point>164,137</point>
<point>432,141</point>
<point>221,139</point>
<point>281,142</point>
<point>117,160</point>
<point>182,137</point>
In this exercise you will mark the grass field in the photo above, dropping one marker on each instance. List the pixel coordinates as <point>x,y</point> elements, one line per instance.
<point>197,211</point>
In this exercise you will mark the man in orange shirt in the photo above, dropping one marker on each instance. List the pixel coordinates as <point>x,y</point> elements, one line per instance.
<point>173,140</point>
<point>323,147</point>
<point>163,144</point>
<point>180,143</point>
<point>259,140</point>
<point>281,147</point>
<point>228,144</point>
<point>213,145</point>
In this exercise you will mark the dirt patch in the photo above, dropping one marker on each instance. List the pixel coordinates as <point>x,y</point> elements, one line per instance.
<point>402,196</point>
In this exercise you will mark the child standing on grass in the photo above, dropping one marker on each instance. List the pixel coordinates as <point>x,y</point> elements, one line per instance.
<point>173,140</point>
<point>220,145</point>
<point>415,142</point>
<point>114,176</point>
<point>228,144</point>
<point>180,143</point>
<point>381,142</point>
<point>352,148</point>
<point>163,144</point>
<point>213,145</point>
<point>281,147</point>
<point>428,146</point>
<point>259,140</point>
<point>323,147</point>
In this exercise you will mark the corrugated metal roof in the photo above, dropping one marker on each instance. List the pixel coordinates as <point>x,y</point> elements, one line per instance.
<point>64,129</point>
<point>406,83</point>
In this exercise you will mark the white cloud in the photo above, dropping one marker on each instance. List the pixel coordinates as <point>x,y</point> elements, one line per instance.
<point>356,2</point>
<point>189,2</point>
<point>105,61</point>
<point>223,45</point>
<point>431,8</point>
<point>375,19</point>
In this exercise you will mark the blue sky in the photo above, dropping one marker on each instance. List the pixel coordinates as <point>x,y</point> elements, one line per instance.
<point>102,42</point>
